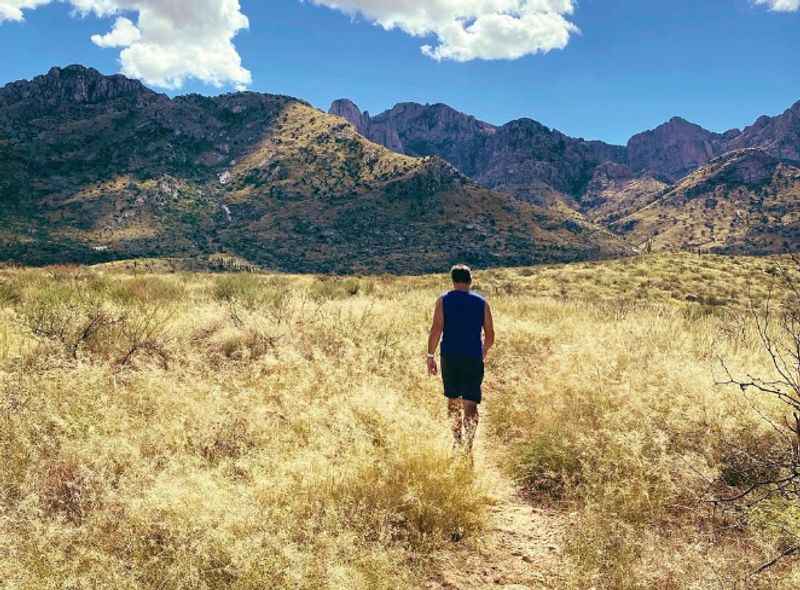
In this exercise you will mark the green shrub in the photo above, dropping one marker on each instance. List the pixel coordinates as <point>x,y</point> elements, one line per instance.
<point>332,289</point>
<point>9,293</point>
<point>247,290</point>
<point>147,290</point>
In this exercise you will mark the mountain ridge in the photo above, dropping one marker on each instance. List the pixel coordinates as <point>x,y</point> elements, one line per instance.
<point>668,152</point>
<point>97,167</point>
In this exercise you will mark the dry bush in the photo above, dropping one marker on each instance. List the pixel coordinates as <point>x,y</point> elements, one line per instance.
<point>245,345</point>
<point>244,289</point>
<point>9,293</point>
<point>142,331</point>
<point>66,315</point>
<point>67,490</point>
<point>762,471</point>
<point>79,321</point>
<point>333,288</point>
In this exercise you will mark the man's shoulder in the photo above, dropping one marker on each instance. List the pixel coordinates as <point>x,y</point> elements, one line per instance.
<point>474,295</point>
<point>478,296</point>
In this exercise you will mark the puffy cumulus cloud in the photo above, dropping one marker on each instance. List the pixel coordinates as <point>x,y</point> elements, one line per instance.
<point>781,5</point>
<point>123,34</point>
<point>12,9</point>
<point>171,40</point>
<point>472,29</point>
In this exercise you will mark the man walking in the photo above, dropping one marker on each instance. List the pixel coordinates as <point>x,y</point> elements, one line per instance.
<point>458,319</point>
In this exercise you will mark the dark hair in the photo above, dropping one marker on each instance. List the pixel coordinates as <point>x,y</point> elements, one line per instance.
<point>461,273</point>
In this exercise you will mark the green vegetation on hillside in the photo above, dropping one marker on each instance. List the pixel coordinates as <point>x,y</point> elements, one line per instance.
<point>126,173</point>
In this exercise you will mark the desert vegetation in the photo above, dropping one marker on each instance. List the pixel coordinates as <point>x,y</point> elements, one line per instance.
<point>197,430</point>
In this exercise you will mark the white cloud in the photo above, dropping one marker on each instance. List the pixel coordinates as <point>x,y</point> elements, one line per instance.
<point>12,9</point>
<point>781,5</point>
<point>472,29</point>
<point>123,34</point>
<point>171,41</point>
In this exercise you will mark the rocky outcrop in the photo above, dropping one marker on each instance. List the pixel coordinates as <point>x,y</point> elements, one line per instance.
<point>72,85</point>
<point>348,110</point>
<point>678,147</point>
<point>422,130</point>
<point>524,152</point>
<point>779,136</point>
<point>673,149</point>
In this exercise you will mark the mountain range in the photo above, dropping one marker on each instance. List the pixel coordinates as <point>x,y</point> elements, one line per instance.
<point>609,184</point>
<point>96,168</point>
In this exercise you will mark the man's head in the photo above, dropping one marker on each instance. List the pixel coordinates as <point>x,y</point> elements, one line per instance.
<point>461,275</point>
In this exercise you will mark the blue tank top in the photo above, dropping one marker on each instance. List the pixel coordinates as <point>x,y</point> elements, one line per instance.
<point>464,312</point>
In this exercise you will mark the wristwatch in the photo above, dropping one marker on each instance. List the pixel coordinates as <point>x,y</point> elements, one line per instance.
<point>431,356</point>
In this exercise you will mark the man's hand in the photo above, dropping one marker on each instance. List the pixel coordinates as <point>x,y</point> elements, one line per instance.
<point>433,370</point>
<point>436,333</point>
<point>488,331</point>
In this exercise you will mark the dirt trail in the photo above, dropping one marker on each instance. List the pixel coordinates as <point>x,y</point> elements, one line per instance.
<point>521,549</point>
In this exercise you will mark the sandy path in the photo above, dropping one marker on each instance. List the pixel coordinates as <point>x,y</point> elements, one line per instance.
<point>521,549</point>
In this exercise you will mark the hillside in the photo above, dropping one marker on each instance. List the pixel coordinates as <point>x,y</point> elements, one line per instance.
<point>779,136</point>
<point>746,201</point>
<point>99,167</point>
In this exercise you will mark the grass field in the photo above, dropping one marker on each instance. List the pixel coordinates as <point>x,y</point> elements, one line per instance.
<point>191,430</point>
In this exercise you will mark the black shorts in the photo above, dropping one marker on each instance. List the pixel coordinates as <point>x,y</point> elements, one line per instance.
<point>462,377</point>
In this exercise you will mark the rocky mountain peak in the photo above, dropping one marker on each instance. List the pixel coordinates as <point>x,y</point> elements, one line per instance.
<point>779,135</point>
<point>350,112</point>
<point>74,84</point>
<point>678,122</point>
<point>673,149</point>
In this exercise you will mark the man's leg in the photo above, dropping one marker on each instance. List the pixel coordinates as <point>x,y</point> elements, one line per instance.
<point>471,418</point>
<point>456,421</point>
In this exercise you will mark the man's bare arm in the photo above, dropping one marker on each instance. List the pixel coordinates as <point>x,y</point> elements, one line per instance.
<point>437,328</point>
<point>488,330</point>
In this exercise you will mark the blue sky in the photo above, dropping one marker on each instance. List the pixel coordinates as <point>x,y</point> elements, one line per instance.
<point>633,65</point>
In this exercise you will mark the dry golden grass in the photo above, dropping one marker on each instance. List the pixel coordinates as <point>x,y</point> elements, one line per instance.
<point>275,431</point>
<point>285,443</point>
